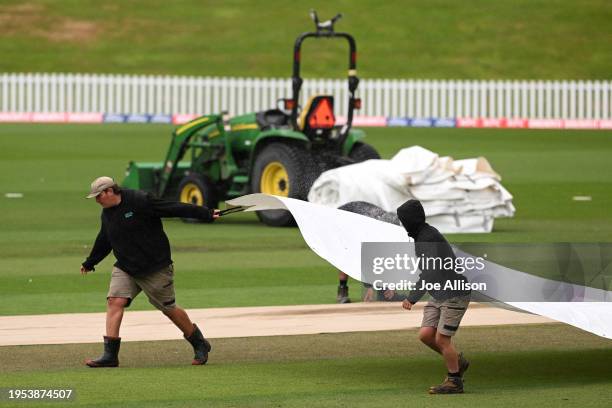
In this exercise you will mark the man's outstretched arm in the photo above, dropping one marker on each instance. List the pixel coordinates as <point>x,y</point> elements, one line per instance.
<point>100,250</point>
<point>166,209</point>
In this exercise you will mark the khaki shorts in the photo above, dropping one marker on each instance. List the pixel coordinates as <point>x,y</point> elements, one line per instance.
<point>445,315</point>
<point>159,287</point>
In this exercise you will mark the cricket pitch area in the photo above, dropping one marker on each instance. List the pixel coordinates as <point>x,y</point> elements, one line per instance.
<point>243,322</point>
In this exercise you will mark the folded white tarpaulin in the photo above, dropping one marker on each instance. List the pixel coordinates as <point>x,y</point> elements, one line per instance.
<point>457,195</point>
<point>337,237</point>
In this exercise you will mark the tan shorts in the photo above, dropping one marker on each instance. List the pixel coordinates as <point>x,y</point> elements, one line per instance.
<point>445,315</point>
<point>159,287</point>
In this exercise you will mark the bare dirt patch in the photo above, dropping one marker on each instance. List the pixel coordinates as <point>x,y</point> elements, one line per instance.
<point>33,20</point>
<point>72,31</point>
<point>17,18</point>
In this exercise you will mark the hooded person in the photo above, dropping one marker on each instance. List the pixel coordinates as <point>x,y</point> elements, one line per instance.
<point>443,313</point>
<point>434,250</point>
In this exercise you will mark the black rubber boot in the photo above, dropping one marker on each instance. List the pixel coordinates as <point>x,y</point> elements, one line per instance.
<point>110,358</point>
<point>343,295</point>
<point>201,346</point>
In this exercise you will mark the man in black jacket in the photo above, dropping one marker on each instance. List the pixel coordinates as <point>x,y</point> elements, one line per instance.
<point>132,229</point>
<point>443,313</point>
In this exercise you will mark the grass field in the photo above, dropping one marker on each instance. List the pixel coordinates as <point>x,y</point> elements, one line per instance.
<point>238,261</point>
<point>472,39</point>
<point>45,235</point>
<point>536,366</point>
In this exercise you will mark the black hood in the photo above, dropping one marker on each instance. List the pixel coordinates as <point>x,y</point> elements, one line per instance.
<point>412,216</point>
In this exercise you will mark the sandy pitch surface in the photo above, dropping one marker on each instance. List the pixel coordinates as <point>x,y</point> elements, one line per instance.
<point>240,322</point>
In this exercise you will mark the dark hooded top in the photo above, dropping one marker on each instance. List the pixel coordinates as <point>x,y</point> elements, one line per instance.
<point>429,243</point>
<point>133,230</point>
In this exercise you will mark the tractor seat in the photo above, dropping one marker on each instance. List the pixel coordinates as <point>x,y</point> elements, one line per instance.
<point>271,119</point>
<point>318,114</point>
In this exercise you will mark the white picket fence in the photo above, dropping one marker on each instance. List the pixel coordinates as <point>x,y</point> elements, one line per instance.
<point>129,94</point>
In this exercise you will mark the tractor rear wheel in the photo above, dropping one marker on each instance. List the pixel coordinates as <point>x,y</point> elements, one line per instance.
<point>284,170</point>
<point>362,152</point>
<point>197,190</point>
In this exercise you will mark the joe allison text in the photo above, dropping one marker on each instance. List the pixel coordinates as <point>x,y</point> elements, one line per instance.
<point>455,285</point>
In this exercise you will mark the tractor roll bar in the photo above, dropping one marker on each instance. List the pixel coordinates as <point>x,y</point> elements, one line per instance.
<point>325,30</point>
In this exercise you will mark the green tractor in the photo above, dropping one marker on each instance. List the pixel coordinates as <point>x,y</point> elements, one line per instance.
<point>278,151</point>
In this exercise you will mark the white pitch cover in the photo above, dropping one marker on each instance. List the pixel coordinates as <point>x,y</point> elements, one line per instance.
<point>336,236</point>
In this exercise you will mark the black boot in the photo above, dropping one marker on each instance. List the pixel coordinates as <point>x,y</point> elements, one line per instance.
<point>343,295</point>
<point>110,358</point>
<point>201,346</point>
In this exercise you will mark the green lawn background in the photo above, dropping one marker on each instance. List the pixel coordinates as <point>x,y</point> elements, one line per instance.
<point>438,39</point>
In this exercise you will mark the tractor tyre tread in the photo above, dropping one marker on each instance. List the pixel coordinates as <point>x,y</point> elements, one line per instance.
<point>362,151</point>
<point>299,165</point>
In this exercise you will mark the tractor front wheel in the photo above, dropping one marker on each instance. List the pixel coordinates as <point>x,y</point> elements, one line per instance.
<point>197,190</point>
<point>284,170</point>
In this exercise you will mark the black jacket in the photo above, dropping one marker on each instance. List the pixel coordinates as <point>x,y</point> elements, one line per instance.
<point>134,232</point>
<point>431,244</point>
